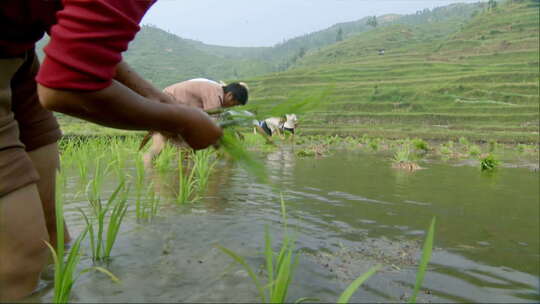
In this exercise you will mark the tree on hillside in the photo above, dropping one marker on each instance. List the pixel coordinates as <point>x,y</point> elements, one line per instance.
<point>492,5</point>
<point>372,21</point>
<point>339,35</point>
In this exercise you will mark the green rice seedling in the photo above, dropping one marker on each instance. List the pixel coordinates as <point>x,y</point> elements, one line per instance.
<point>149,204</point>
<point>117,214</point>
<point>364,139</point>
<point>163,162</point>
<point>521,148</point>
<point>374,144</point>
<point>489,163</point>
<point>463,141</point>
<point>100,246</point>
<point>64,272</point>
<point>81,160</point>
<point>230,144</point>
<point>474,150</point>
<point>204,163</point>
<point>305,153</point>
<point>351,289</point>
<point>280,266</point>
<point>426,256</point>
<point>445,151</point>
<point>186,183</point>
<point>152,202</point>
<point>139,186</point>
<point>403,155</point>
<point>450,144</point>
<point>420,144</point>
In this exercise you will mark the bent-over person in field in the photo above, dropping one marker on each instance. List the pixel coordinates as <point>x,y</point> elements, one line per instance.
<point>82,75</point>
<point>200,93</point>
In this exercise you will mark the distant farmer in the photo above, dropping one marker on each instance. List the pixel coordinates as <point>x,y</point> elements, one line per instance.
<point>200,93</point>
<point>82,75</point>
<point>276,125</point>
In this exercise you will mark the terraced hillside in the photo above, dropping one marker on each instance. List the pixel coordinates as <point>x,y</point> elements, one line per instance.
<point>480,81</point>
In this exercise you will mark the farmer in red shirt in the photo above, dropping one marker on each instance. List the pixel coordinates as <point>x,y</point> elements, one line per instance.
<point>82,75</point>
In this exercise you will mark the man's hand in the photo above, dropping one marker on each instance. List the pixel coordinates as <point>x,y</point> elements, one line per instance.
<point>199,131</point>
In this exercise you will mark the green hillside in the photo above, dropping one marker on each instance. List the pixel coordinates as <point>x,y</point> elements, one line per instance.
<point>287,53</point>
<point>165,58</point>
<point>479,80</point>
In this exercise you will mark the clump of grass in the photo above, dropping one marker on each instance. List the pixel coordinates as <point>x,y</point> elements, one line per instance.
<point>464,141</point>
<point>64,272</point>
<point>164,160</point>
<point>151,206</point>
<point>374,144</point>
<point>403,155</point>
<point>474,150</point>
<point>420,144</point>
<point>186,183</point>
<point>403,158</point>
<point>305,153</point>
<point>204,163</point>
<point>101,246</point>
<point>489,163</point>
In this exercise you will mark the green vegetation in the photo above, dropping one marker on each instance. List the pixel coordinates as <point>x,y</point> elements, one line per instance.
<point>437,80</point>
<point>235,149</point>
<point>204,162</point>
<point>186,183</point>
<point>426,256</point>
<point>457,71</point>
<point>64,272</point>
<point>420,144</point>
<point>116,207</point>
<point>403,155</point>
<point>489,163</point>
<point>280,267</point>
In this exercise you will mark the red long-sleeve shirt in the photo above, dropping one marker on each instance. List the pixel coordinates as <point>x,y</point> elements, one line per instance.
<point>87,37</point>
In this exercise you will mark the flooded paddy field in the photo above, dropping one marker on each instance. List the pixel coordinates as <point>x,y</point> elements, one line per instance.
<point>347,210</point>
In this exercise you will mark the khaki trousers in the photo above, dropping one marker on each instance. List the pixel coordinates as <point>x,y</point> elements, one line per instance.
<point>24,124</point>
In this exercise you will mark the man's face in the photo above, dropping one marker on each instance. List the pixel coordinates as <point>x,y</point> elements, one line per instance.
<point>229,101</point>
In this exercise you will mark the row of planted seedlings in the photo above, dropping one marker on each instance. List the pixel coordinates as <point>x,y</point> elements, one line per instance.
<point>97,161</point>
<point>407,152</point>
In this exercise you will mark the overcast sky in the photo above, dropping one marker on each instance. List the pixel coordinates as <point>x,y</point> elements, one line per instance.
<point>267,22</point>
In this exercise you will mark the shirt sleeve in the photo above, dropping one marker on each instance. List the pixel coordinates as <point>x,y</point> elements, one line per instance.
<point>87,42</point>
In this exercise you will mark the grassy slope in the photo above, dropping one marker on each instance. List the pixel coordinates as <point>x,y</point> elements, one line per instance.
<point>480,80</point>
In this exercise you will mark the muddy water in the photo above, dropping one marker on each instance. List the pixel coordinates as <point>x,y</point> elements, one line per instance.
<point>349,211</point>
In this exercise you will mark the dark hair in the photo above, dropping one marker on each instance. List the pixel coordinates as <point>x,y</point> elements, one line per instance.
<point>239,92</point>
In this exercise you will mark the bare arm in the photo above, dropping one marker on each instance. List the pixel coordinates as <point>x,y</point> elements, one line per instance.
<point>119,107</point>
<point>131,79</point>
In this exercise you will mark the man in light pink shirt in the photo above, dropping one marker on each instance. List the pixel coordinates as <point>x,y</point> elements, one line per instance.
<point>200,93</point>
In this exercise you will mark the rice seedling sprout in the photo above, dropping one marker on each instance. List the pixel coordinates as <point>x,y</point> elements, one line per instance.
<point>426,256</point>
<point>186,183</point>
<point>489,163</point>
<point>204,163</point>
<point>64,272</point>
